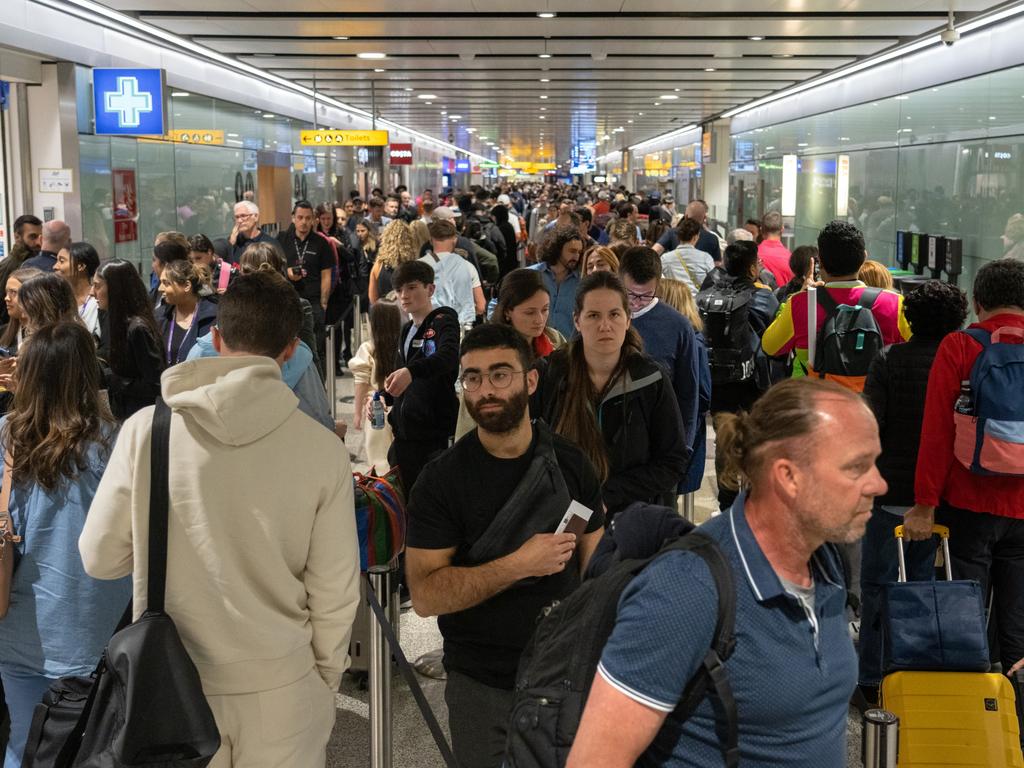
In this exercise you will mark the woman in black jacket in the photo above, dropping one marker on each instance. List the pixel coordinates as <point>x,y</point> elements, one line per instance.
<point>895,388</point>
<point>500,215</point>
<point>616,403</point>
<point>129,340</point>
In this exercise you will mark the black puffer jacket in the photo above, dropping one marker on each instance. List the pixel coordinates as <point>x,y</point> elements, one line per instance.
<point>643,431</point>
<point>428,408</point>
<point>895,388</point>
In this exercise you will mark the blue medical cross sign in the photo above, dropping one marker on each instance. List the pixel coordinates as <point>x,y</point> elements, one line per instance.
<point>128,102</point>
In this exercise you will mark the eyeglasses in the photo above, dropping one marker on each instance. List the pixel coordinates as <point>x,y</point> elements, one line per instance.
<point>240,216</point>
<point>640,298</point>
<point>499,379</point>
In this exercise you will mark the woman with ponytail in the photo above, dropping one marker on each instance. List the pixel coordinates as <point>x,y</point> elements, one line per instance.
<point>617,404</point>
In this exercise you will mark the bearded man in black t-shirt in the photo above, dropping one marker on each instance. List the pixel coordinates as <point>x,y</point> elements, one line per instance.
<point>482,552</point>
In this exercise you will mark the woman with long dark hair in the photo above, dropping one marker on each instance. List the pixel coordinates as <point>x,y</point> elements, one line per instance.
<point>131,338</point>
<point>13,333</point>
<point>525,304</point>
<point>56,442</point>
<point>373,363</point>
<point>617,404</point>
<point>185,315</point>
<point>47,299</point>
<point>77,264</point>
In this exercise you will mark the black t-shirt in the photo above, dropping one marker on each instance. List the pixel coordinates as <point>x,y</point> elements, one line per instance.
<point>452,504</point>
<point>314,255</point>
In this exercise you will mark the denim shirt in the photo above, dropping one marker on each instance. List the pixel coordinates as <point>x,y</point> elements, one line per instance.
<point>60,619</point>
<point>563,299</point>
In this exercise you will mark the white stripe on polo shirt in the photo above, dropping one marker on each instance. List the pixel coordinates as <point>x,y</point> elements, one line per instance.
<point>743,557</point>
<point>632,693</point>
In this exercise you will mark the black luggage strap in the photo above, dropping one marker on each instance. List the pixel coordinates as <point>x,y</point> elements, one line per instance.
<point>712,673</point>
<point>159,503</point>
<point>410,677</point>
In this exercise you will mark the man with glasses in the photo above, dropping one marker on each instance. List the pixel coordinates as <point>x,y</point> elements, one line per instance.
<point>246,230</point>
<point>668,338</point>
<point>483,554</point>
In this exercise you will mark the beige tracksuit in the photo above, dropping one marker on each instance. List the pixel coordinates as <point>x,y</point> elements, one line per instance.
<point>263,564</point>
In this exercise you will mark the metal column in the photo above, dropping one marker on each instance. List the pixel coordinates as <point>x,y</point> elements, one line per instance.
<point>330,375</point>
<point>688,507</point>
<point>380,673</point>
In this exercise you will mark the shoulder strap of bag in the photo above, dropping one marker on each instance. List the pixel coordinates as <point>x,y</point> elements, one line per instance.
<point>159,503</point>
<point>868,297</point>
<point>410,677</point>
<point>826,301</point>
<point>712,674</point>
<point>686,266</point>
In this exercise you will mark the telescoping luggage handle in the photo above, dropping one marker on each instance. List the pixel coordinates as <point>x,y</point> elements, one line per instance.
<point>943,533</point>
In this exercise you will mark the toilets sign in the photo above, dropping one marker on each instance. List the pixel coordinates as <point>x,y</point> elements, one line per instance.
<point>129,102</point>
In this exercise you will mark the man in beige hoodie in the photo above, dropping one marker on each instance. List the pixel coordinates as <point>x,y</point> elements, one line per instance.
<point>263,563</point>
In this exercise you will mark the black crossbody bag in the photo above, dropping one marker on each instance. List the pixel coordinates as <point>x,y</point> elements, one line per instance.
<point>144,703</point>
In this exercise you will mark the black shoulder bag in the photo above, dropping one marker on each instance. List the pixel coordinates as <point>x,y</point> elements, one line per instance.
<point>144,703</point>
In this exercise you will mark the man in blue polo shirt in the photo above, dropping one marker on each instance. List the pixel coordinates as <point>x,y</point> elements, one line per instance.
<point>794,667</point>
<point>560,254</point>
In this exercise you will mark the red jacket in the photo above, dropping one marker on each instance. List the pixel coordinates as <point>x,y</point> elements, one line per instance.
<point>939,475</point>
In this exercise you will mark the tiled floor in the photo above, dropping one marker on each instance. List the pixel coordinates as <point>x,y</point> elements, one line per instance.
<point>412,743</point>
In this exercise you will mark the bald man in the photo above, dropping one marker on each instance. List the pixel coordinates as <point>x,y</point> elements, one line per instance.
<point>56,235</point>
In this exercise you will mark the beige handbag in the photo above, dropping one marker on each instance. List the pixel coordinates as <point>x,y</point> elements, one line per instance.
<point>7,539</point>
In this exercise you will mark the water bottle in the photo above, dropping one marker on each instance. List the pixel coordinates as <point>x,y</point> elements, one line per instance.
<point>377,409</point>
<point>964,405</point>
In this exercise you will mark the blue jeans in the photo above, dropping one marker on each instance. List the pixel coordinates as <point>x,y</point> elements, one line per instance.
<point>880,566</point>
<point>23,691</point>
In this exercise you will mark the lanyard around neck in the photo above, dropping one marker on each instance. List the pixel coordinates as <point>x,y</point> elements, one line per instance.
<point>170,336</point>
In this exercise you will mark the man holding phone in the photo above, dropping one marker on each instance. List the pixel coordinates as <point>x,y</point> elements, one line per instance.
<point>310,262</point>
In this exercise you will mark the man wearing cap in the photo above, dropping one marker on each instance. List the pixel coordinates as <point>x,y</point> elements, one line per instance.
<point>513,217</point>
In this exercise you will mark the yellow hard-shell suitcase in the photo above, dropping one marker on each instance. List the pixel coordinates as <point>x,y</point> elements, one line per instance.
<point>954,719</point>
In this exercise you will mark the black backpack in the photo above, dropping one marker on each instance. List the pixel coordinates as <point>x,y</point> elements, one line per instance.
<point>724,310</point>
<point>850,337</point>
<point>559,664</point>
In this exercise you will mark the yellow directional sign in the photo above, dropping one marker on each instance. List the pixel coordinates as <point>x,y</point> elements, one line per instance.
<point>197,136</point>
<point>533,167</point>
<point>344,138</point>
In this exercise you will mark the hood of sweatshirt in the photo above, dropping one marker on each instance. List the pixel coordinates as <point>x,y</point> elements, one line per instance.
<point>237,400</point>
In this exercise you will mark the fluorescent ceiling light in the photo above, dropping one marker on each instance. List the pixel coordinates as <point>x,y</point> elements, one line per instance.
<point>380,70</point>
<point>341,37</point>
<point>371,55</point>
<point>268,115</point>
<point>122,23</point>
<point>546,14</point>
<point>545,79</point>
<point>424,95</point>
<point>543,55</point>
<point>408,89</point>
<point>180,94</point>
<point>455,117</point>
<point>664,137</point>
<point>668,97</point>
<point>755,38</point>
<point>543,97</point>
<point>709,69</point>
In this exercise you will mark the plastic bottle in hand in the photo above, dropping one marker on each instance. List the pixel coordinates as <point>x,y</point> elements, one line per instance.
<point>377,410</point>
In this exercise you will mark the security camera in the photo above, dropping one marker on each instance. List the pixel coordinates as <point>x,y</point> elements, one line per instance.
<point>949,36</point>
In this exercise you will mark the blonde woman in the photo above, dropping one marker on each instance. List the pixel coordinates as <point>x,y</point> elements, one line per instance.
<point>420,234</point>
<point>875,275</point>
<point>396,245</point>
<point>677,295</point>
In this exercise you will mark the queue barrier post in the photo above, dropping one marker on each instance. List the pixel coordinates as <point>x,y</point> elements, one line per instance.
<point>357,322</point>
<point>380,672</point>
<point>330,373</point>
<point>880,740</point>
<point>688,507</point>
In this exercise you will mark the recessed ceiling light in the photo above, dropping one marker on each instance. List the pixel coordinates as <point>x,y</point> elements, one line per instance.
<point>541,117</point>
<point>677,90</point>
<point>543,97</point>
<point>456,117</point>
<point>268,115</point>
<point>546,14</point>
<point>232,135</point>
<point>668,97</point>
<point>181,94</point>
<point>430,103</point>
<point>340,37</point>
<point>802,144</point>
<point>378,69</point>
<point>782,55</point>
<point>902,98</point>
<point>755,37</point>
<point>543,55</point>
<point>371,55</point>
<point>408,90</point>
<point>545,79</point>
<point>629,121</point>
<point>543,109</point>
<point>709,69</point>
<point>991,117</point>
<point>844,138</point>
<point>424,95</point>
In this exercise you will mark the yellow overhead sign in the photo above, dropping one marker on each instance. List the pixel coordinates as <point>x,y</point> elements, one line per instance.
<point>196,136</point>
<point>534,167</point>
<point>344,138</point>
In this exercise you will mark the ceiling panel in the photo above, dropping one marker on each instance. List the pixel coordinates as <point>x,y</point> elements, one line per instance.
<point>607,63</point>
